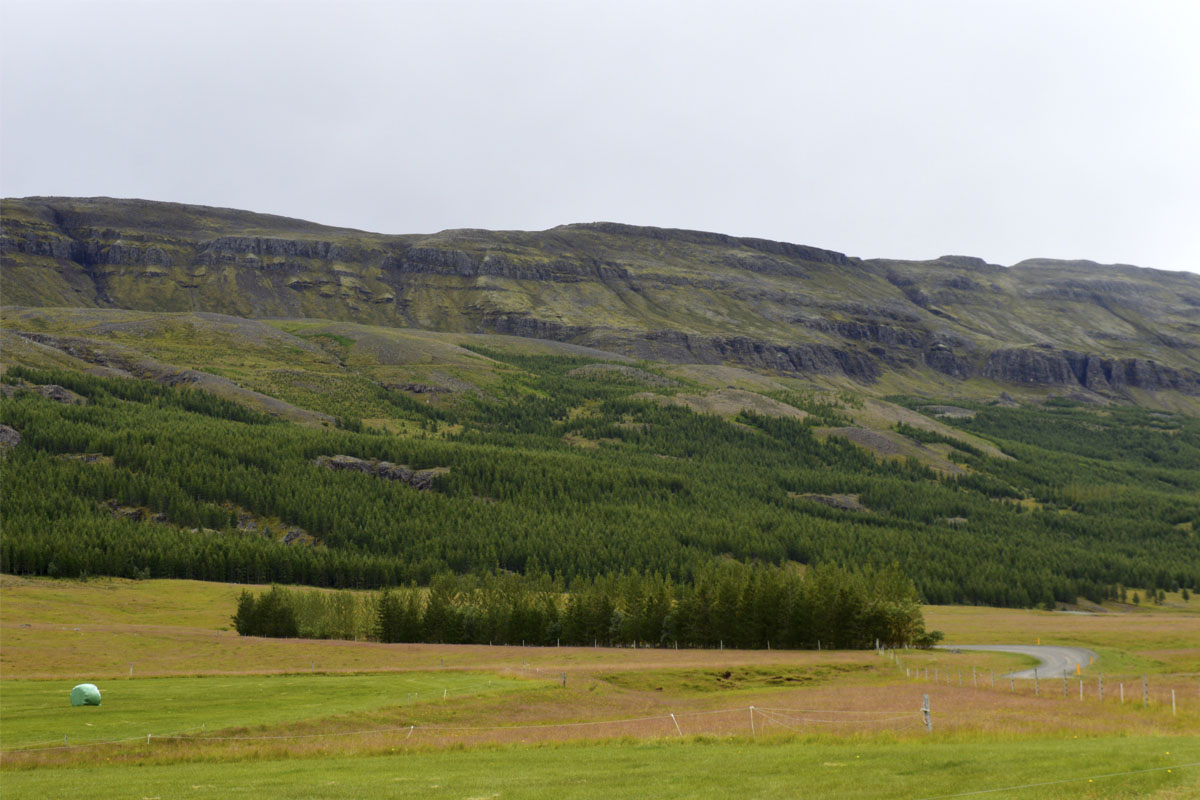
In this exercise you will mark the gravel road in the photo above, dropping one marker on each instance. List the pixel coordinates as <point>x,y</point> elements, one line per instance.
<point>1055,660</point>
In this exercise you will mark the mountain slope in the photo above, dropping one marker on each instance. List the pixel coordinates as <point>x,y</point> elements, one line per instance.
<point>667,295</point>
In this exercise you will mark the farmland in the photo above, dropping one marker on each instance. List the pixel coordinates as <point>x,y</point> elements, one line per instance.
<point>324,718</point>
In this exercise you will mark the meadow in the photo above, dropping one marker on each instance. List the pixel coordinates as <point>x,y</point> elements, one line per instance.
<point>258,717</point>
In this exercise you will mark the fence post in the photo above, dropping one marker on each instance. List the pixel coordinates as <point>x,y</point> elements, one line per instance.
<point>1172,702</point>
<point>928,718</point>
<point>960,676</point>
<point>1122,694</point>
<point>1145,693</point>
<point>1064,686</point>
<point>993,678</point>
<point>1101,687</point>
<point>1081,690</point>
<point>974,681</point>
<point>1012,685</point>
<point>1036,691</point>
<point>752,733</point>
<point>676,725</point>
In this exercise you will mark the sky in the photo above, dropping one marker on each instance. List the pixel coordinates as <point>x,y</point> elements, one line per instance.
<point>1004,130</point>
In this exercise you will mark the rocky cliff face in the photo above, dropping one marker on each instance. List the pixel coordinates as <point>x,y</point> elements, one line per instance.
<point>650,292</point>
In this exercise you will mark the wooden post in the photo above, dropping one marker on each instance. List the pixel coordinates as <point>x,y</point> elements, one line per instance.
<point>564,679</point>
<point>1012,685</point>
<point>1172,702</point>
<point>1081,690</point>
<point>1145,693</point>
<point>1100,687</point>
<point>752,733</point>
<point>1064,686</point>
<point>960,676</point>
<point>993,678</point>
<point>928,718</point>
<point>1036,692</point>
<point>1122,694</point>
<point>974,680</point>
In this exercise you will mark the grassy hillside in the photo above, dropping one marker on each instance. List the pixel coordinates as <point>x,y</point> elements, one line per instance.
<point>666,295</point>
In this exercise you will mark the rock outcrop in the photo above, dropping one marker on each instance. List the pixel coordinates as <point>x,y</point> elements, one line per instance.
<point>1069,368</point>
<point>9,437</point>
<point>422,479</point>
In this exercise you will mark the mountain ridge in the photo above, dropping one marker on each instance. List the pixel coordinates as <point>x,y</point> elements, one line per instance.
<point>657,293</point>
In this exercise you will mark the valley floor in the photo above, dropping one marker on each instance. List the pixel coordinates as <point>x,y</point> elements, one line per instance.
<point>230,716</point>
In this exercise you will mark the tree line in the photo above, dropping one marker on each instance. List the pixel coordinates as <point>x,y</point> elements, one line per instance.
<point>726,606</point>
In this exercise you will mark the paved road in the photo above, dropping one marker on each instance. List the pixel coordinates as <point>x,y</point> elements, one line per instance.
<point>1055,660</point>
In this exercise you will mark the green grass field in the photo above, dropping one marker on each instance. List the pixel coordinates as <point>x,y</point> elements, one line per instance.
<point>671,769</point>
<point>37,713</point>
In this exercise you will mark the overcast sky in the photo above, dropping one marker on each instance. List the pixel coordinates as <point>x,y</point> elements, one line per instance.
<point>1005,130</point>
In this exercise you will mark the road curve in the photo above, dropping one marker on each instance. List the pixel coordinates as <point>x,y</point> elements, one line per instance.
<point>1055,660</point>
